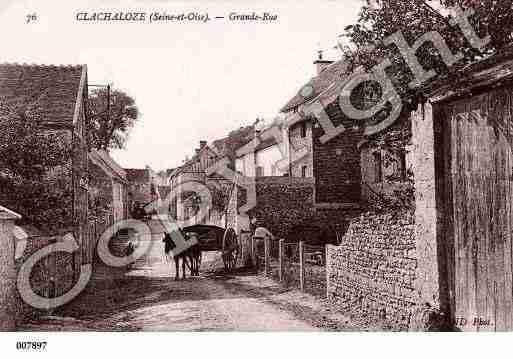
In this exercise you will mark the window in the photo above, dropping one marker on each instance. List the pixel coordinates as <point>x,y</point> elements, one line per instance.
<point>303,130</point>
<point>260,171</point>
<point>378,167</point>
<point>304,170</point>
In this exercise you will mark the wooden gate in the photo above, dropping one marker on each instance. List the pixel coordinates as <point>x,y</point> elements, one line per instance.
<point>478,193</point>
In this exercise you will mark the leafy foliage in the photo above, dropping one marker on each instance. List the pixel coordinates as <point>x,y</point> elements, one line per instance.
<point>378,20</point>
<point>493,18</point>
<point>33,177</point>
<point>109,127</point>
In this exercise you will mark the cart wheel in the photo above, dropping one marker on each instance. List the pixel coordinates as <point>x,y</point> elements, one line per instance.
<point>230,249</point>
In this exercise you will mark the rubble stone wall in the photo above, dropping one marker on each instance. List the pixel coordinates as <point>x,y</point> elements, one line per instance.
<point>372,273</point>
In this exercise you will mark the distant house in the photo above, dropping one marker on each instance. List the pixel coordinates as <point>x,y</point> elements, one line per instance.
<point>183,206</point>
<point>108,186</point>
<point>142,187</point>
<point>264,157</point>
<point>59,94</point>
<point>335,165</point>
<point>192,171</point>
<point>349,169</point>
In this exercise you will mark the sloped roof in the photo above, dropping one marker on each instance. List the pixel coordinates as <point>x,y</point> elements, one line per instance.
<point>463,80</point>
<point>107,163</point>
<point>221,148</point>
<point>6,213</point>
<point>137,174</point>
<point>55,90</point>
<point>319,84</point>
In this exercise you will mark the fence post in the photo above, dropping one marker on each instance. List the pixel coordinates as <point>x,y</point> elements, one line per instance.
<point>253,253</point>
<point>281,252</point>
<point>267,263</point>
<point>301,266</point>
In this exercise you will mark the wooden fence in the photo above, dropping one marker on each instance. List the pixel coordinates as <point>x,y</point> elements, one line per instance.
<point>296,265</point>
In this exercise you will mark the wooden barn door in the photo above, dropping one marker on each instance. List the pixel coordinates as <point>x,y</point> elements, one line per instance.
<point>478,162</point>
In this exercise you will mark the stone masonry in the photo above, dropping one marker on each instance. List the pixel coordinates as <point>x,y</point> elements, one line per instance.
<point>372,272</point>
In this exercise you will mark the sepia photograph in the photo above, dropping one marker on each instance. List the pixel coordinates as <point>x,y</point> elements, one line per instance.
<point>293,167</point>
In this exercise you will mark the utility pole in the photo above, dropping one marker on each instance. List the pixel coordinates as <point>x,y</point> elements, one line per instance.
<point>108,99</point>
<point>108,103</point>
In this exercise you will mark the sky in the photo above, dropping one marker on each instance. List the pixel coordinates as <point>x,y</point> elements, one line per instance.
<point>191,81</point>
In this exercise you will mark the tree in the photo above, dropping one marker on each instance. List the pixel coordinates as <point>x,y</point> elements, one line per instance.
<point>379,19</point>
<point>33,166</point>
<point>109,126</point>
<point>493,18</point>
<point>367,46</point>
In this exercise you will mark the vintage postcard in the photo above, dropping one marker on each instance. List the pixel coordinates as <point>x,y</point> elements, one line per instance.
<point>314,166</point>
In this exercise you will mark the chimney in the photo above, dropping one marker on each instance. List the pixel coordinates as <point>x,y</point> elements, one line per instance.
<point>202,144</point>
<point>321,64</point>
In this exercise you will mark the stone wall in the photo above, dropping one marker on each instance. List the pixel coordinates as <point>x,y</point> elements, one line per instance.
<point>51,277</point>
<point>372,273</point>
<point>7,276</point>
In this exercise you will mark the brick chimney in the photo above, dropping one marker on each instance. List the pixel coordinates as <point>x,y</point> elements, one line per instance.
<point>321,64</point>
<point>202,144</point>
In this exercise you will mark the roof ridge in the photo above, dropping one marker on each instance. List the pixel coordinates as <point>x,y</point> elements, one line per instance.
<point>53,66</point>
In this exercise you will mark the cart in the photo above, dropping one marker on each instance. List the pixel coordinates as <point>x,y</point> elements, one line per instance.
<point>213,239</point>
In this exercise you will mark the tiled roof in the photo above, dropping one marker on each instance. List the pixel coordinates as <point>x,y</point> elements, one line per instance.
<point>268,142</point>
<point>319,84</point>
<point>235,140</point>
<point>137,175</point>
<point>108,164</point>
<point>53,89</point>
<point>221,148</point>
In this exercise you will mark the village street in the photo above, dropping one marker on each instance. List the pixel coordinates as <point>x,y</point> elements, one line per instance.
<point>147,298</point>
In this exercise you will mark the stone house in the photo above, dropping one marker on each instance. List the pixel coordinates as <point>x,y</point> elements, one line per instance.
<point>448,263</point>
<point>299,128</point>
<point>194,171</point>
<point>8,306</point>
<point>266,157</point>
<point>60,95</point>
<point>348,170</point>
<point>142,187</point>
<point>108,187</point>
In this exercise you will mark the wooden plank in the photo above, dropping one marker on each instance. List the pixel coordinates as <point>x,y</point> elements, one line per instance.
<point>481,226</point>
<point>455,174</point>
<point>448,214</point>
<point>499,238</point>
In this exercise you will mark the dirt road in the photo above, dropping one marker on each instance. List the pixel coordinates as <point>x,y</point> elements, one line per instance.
<point>147,298</point>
